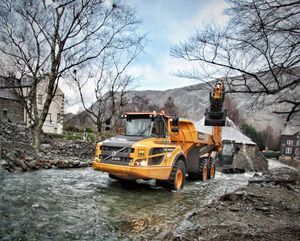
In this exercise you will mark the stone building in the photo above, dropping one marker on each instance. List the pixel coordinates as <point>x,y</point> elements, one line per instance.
<point>290,141</point>
<point>11,109</point>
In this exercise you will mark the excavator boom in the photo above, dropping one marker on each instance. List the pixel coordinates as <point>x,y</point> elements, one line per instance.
<point>216,116</point>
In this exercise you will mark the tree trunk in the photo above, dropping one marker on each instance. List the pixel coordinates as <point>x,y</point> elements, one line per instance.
<point>37,136</point>
<point>99,132</point>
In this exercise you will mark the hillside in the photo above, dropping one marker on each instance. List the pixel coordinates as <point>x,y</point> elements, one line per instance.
<point>193,100</point>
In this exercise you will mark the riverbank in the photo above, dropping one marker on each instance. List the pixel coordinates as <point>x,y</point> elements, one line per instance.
<point>17,154</point>
<point>268,208</point>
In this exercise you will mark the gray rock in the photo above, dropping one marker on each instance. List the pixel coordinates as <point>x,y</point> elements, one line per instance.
<point>62,164</point>
<point>17,170</point>
<point>11,156</point>
<point>83,164</point>
<point>234,209</point>
<point>45,146</point>
<point>185,225</point>
<point>3,163</point>
<point>28,158</point>
<point>21,164</point>
<point>32,164</point>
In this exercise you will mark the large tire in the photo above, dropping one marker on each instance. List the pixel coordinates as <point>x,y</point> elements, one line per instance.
<point>177,177</point>
<point>212,168</point>
<point>202,173</point>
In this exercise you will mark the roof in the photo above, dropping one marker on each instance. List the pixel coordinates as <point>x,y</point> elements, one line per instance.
<point>7,94</point>
<point>11,82</point>
<point>231,132</point>
<point>290,130</point>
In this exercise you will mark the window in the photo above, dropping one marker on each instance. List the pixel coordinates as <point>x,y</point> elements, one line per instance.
<point>4,111</point>
<point>145,126</point>
<point>289,142</point>
<point>49,118</point>
<point>40,99</point>
<point>58,117</point>
<point>288,150</point>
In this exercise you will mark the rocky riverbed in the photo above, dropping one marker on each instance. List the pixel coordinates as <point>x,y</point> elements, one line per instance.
<point>17,154</point>
<point>268,208</point>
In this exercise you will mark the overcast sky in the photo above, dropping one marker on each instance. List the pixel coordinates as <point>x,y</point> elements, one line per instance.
<point>166,22</point>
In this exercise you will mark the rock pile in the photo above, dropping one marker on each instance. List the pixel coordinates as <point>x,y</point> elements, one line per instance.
<point>266,209</point>
<point>17,155</point>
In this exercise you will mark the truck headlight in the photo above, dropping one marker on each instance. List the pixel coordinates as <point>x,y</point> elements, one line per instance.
<point>98,149</point>
<point>141,162</point>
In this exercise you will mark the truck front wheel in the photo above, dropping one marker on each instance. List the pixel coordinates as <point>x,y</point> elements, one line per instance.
<point>177,178</point>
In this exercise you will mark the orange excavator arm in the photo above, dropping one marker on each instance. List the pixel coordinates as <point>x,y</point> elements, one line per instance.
<point>215,116</point>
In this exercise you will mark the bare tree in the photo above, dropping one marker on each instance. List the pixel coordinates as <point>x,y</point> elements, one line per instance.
<point>110,84</point>
<point>140,103</point>
<point>259,46</point>
<point>52,38</point>
<point>233,111</point>
<point>170,107</point>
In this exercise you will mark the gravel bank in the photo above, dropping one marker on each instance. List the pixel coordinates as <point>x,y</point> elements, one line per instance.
<point>268,208</point>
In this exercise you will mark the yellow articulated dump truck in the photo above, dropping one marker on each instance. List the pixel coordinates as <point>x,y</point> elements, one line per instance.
<point>165,148</point>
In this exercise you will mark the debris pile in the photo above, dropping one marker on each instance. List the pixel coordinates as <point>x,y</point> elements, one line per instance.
<point>17,155</point>
<point>266,209</point>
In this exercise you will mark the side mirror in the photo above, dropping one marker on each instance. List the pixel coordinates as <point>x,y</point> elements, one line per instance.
<point>237,149</point>
<point>175,121</point>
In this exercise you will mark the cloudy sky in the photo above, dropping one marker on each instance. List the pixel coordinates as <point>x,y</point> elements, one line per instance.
<point>166,22</point>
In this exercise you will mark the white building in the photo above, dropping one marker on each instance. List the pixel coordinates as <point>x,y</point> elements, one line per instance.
<point>54,120</point>
<point>10,109</point>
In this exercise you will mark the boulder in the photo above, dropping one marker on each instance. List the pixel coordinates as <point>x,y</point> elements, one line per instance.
<point>32,164</point>
<point>3,163</point>
<point>83,164</point>
<point>21,163</point>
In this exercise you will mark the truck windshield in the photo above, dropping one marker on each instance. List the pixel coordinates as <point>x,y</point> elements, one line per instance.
<point>145,127</point>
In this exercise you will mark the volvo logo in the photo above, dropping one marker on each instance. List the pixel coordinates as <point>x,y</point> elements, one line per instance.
<point>114,153</point>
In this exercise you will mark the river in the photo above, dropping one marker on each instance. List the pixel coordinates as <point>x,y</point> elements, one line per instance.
<point>82,204</point>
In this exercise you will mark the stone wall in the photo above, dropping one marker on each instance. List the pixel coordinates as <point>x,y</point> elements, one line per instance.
<point>249,158</point>
<point>13,109</point>
<point>17,155</point>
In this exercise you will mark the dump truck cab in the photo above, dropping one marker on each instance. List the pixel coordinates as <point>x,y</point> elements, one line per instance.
<point>144,150</point>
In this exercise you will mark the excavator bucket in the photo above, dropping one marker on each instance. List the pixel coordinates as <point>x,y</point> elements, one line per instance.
<point>215,118</point>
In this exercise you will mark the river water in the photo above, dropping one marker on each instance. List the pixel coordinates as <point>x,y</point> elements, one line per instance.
<point>82,204</point>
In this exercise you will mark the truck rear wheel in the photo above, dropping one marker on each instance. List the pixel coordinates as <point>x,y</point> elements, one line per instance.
<point>212,169</point>
<point>203,169</point>
<point>202,173</point>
